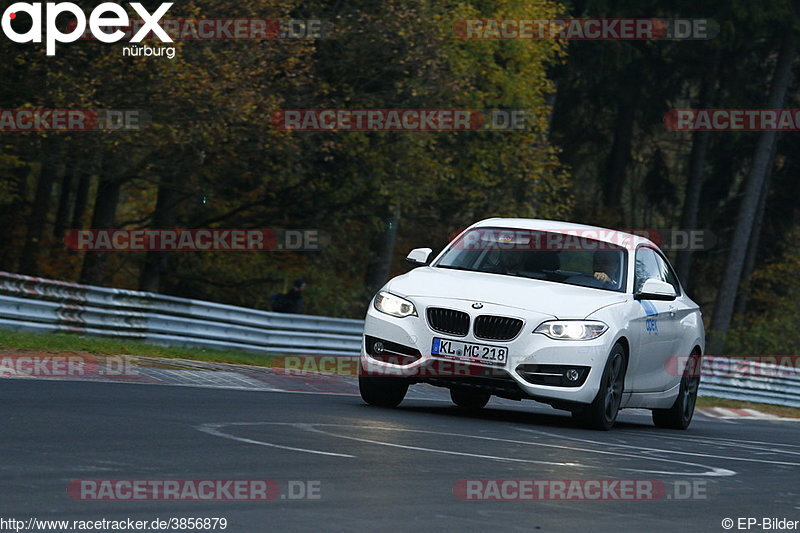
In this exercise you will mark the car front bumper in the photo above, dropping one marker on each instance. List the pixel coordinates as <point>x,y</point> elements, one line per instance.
<point>533,364</point>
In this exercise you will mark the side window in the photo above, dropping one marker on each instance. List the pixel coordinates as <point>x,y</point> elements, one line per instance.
<point>647,266</point>
<point>651,265</point>
<point>666,274</point>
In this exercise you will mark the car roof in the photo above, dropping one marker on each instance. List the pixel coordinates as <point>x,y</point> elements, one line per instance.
<point>620,238</point>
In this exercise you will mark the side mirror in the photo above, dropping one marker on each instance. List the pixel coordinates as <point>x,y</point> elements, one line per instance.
<point>655,289</point>
<point>419,256</point>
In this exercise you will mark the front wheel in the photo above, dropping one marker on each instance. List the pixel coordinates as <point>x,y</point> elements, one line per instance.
<point>467,399</point>
<point>679,416</point>
<point>382,391</point>
<point>602,412</point>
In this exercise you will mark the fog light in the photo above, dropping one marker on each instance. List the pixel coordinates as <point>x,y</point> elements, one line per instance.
<point>572,374</point>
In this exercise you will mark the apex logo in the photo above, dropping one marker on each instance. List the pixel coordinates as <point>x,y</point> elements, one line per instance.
<point>106,15</point>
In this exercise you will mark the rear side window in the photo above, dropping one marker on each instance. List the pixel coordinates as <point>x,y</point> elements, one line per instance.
<point>649,264</point>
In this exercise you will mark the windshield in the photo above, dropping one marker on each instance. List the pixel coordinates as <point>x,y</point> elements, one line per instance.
<point>539,255</point>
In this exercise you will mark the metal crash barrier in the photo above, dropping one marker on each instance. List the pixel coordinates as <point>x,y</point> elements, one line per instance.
<point>44,305</point>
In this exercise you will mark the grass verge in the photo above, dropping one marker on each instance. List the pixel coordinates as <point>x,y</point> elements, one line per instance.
<point>51,343</point>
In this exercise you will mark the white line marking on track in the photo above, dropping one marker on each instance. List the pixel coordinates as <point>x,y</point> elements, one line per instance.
<point>662,450</point>
<point>213,429</point>
<point>310,427</point>
<point>314,427</point>
<point>721,441</point>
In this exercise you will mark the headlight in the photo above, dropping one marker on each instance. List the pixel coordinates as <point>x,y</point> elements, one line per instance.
<point>572,330</point>
<point>394,305</point>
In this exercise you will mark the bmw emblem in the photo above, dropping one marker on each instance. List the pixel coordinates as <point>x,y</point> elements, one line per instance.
<point>477,305</point>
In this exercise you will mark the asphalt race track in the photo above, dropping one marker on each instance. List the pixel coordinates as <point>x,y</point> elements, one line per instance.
<point>373,468</point>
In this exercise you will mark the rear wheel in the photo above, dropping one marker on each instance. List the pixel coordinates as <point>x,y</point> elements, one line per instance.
<point>679,416</point>
<point>382,391</point>
<point>467,399</point>
<point>602,412</point>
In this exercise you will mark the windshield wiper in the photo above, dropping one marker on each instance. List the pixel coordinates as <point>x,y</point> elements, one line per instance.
<point>452,267</point>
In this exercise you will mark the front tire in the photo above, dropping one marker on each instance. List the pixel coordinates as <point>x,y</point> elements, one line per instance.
<point>679,416</point>
<point>382,391</point>
<point>467,399</point>
<point>602,412</point>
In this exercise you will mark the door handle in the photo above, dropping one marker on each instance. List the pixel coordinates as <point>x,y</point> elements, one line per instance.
<point>671,310</point>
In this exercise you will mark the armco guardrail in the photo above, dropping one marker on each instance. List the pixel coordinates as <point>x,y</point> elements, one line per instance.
<point>43,305</point>
<point>751,380</point>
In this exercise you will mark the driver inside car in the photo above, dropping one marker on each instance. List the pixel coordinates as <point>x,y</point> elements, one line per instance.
<point>507,262</point>
<point>606,268</point>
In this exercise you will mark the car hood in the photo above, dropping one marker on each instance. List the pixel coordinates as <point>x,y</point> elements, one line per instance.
<point>557,299</point>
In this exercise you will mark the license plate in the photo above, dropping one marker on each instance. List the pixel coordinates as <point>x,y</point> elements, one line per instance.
<point>469,351</point>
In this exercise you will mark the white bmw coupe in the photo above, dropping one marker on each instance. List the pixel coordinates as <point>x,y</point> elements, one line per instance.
<point>585,319</point>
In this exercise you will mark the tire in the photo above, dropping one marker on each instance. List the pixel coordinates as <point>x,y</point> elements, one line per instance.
<point>679,416</point>
<point>382,392</point>
<point>602,412</point>
<point>467,399</point>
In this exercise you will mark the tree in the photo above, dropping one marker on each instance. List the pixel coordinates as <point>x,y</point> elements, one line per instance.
<point>726,298</point>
